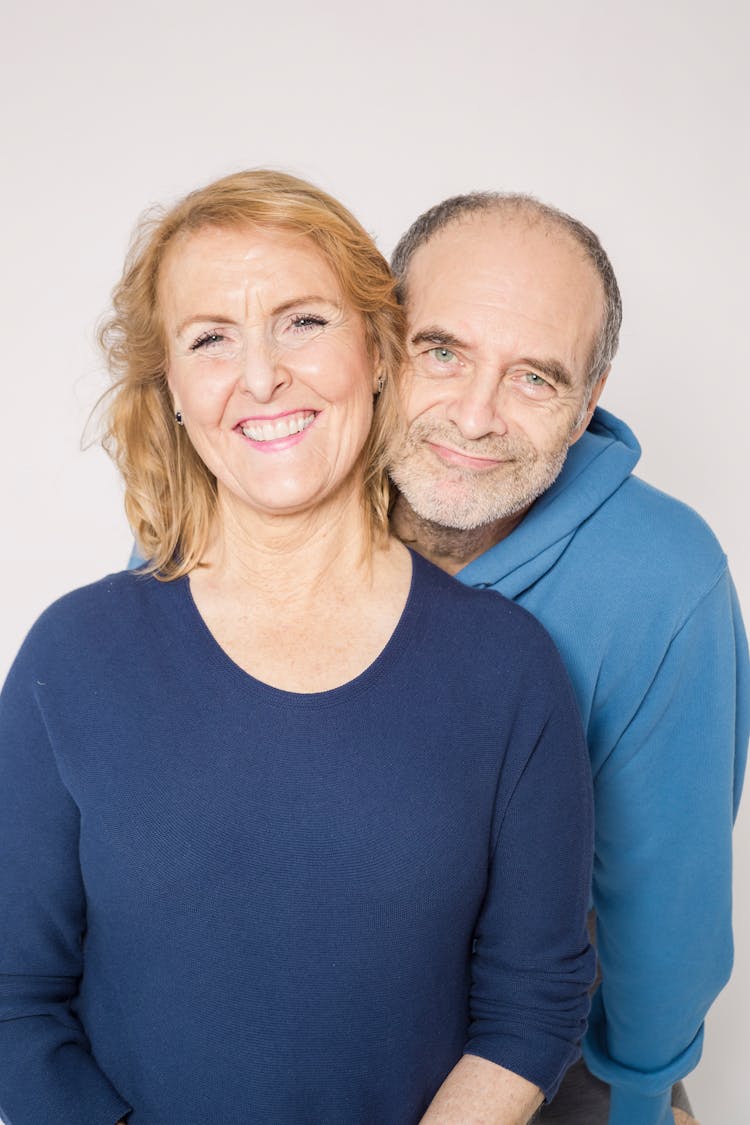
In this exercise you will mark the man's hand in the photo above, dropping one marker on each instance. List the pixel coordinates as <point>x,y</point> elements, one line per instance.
<point>682,1118</point>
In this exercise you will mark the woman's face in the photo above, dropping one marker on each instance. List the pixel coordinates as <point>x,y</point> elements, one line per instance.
<point>268,366</point>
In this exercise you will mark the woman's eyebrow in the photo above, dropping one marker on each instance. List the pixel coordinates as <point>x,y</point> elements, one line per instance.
<point>306,299</point>
<point>222,318</point>
<point>200,318</point>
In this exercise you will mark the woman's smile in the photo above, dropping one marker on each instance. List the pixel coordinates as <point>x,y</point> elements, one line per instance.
<point>275,434</point>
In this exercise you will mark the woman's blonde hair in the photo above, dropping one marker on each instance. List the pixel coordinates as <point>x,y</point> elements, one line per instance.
<point>170,495</point>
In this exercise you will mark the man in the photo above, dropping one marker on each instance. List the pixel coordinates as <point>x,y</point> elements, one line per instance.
<point>511,478</point>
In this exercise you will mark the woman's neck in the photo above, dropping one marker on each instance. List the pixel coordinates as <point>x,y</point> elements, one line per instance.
<point>302,604</point>
<point>281,556</point>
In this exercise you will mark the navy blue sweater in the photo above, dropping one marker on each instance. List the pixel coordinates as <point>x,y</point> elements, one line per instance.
<point>226,904</point>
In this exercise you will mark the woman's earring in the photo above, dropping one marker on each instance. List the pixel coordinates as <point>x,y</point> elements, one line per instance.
<point>381,384</point>
<point>178,417</point>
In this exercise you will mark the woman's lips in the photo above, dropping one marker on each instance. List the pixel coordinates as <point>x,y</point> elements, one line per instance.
<point>463,460</point>
<point>273,434</point>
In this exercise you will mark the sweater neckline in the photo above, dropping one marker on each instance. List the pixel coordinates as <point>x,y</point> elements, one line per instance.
<point>400,639</point>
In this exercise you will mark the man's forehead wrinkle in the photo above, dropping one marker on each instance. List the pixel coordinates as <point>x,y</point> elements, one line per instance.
<point>474,320</point>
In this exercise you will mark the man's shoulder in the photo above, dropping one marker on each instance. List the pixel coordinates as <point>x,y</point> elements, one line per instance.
<point>658,536</point>
<point>673,515</point>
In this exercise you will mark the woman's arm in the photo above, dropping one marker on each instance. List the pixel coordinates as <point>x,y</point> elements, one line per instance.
<point>48,1075</point>
<point>478,1092</point>
<point>532,964</point>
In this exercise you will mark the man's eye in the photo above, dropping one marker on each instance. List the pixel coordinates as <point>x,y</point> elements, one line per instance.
<point>443,355</point>
<point>306,322</point>
<point>535,380</point>
<point>205,340</point>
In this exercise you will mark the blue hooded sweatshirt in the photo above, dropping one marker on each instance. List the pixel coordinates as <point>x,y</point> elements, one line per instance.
<point>635,591</point>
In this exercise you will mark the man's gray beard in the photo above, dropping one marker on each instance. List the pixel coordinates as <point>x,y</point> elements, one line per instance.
<point>462,499</point>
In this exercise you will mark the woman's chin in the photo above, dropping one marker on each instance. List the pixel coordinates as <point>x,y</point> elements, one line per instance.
<point>289,498</point>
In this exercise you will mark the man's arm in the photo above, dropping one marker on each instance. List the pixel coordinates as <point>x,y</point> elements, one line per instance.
<point>666,798</point>
<point>478,1092</point>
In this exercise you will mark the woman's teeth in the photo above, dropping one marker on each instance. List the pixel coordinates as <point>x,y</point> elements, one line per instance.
<point>275,428</point>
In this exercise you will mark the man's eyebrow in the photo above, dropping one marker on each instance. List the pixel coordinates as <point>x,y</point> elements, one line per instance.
<point>552,369</point>
<point>438,337</point>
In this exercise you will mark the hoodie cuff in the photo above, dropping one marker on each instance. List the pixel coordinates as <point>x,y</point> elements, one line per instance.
<point>639,1097</point>
<point>629,1107</point>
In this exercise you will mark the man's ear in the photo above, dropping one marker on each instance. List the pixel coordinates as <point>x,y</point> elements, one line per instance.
<point>593,399</point>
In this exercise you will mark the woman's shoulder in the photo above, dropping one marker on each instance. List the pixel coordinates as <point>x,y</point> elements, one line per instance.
<point>91,617</point>
<point>120,588</point>
<point>493,648</point>
<point>482,611</point>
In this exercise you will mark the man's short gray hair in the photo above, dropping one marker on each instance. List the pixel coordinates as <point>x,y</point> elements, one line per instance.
<point>512,205</point>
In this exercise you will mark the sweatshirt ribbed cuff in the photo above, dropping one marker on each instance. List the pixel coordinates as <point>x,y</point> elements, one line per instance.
<point>629,1107</point>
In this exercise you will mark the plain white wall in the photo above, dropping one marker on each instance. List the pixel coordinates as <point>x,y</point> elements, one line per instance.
<point>631,116</point>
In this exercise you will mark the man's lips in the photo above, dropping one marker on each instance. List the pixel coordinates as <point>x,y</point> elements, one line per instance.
<point>464,460</point>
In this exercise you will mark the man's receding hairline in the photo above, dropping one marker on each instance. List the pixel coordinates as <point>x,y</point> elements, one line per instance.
<point>510,208</point>
<point>505,216</point>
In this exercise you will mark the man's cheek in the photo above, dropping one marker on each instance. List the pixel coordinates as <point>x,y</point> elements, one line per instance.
<point>423,402</point>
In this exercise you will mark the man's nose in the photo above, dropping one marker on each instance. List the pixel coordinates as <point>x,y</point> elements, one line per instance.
<point>476,406</point>
<point>264,370</point>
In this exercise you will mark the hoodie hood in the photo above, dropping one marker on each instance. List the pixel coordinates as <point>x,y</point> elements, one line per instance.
<point>602,458</point>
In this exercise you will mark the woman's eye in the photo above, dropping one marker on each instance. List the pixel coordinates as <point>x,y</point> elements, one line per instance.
<point>205,339</point>
<point>443,355</point>
<point>305,322</point>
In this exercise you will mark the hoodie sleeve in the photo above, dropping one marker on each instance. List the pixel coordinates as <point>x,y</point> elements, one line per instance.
<point>666,800</point>
<point>48,1075</point>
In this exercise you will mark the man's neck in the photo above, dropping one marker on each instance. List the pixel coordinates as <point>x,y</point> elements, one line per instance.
<point>449,548</point>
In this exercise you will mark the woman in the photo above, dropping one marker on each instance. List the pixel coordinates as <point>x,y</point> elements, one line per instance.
<point>293,820</point>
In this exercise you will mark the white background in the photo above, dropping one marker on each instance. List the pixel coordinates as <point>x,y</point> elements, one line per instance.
<point>631,115</point>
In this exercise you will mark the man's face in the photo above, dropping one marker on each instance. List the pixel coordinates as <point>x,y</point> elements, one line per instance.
<point>502,317</point>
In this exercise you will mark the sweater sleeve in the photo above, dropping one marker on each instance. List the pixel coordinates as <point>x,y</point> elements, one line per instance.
<point>533,965</point>
<point>666,799</point>
<point>48,1075</point>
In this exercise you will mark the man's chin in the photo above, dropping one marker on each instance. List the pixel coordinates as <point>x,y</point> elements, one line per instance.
<point>458,512</point>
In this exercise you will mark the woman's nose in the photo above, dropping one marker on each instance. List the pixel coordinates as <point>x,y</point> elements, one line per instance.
<point>264,371</point>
